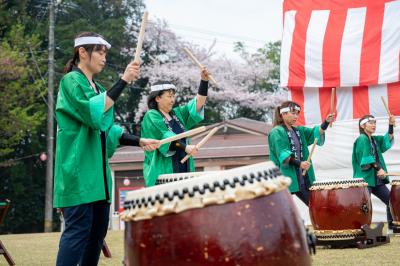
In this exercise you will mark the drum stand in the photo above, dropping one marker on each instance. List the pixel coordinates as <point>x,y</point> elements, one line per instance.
<point>396,229</point>
<point>370,237</point>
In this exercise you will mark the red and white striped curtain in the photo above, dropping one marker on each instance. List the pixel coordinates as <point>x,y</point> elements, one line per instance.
<point>351,45</point>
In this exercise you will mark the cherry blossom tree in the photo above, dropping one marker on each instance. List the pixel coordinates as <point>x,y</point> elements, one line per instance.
<point>241,84</point>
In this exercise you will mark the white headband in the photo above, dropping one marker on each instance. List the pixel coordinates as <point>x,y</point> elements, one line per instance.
<point>91,40</point>
<point>162,87</point>
<point>287,109</point>
<point>365,120</point>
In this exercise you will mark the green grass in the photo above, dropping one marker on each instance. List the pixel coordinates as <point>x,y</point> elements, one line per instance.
<point>41,249</point>
<point>382,255</point>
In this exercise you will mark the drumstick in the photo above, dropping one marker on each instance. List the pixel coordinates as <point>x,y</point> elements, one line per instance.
<point>194,59</point>
<point>141,37</point>
<point>183,135</point>
<point>332,103</point>
<point>387,108</point>
<point>311,153</point>
<point>202,142</point>
<point>392,174</point>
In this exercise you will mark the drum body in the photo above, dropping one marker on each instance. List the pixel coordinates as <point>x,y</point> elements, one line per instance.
<point>395,201</point>
<point>241,221</point>
<point>340,206</point>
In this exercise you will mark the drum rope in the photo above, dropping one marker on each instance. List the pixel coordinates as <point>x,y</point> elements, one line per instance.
<point>231,189</point>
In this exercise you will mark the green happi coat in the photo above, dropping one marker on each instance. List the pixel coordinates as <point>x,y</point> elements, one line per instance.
<point>159,161</point>
<point>79,176</point>
<point>363,155</point>
<point>280,150</point>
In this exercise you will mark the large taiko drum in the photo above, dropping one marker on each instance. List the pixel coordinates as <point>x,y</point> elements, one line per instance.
<point>395,201</point>
<point>167,178</point>
<point>242,216</point>
<point>338,208</point>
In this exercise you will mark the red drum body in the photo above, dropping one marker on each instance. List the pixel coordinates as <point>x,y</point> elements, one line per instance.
<point>230,219</point>
<point>395,201</point>
<point>340,206</point>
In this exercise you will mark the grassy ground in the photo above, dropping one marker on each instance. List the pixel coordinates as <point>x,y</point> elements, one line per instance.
<point>41,249</point>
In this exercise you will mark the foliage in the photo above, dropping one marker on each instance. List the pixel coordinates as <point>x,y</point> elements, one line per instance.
<point>243,89</point>
<point>247,88</point>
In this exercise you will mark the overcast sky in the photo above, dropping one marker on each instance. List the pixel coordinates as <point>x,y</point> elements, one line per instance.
<point>254,22</point>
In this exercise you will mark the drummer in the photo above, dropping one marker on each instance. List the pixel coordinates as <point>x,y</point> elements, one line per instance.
<point>288,147</point>
<point>162,121</point>
<point>368,162</point>
<point>86,138</point>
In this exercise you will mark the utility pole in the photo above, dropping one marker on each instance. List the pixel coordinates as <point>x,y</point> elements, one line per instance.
<point>48,211</point>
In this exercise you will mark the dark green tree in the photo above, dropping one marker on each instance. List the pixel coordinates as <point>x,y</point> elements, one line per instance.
<point>23,114</point>
<point>23,69</point>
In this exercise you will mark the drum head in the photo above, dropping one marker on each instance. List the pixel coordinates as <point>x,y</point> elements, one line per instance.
<point>232,185</point>
<point>338,183</point>
<point>167,178</point>
<point>395,181</point>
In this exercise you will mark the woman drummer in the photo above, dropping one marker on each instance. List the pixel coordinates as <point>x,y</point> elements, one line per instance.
<point>162,120</point>
<point>288,147</point>
<point>368,162</point>
<point>86,138</point>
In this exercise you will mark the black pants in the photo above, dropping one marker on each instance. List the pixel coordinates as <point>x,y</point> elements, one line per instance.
<point>85,229</point>
<point>304,193</point>
<point>382,193</point>
<point>304,196</point>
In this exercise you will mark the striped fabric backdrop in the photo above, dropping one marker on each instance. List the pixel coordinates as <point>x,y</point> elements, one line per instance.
<point>352,45</point>
<point>350,102</point>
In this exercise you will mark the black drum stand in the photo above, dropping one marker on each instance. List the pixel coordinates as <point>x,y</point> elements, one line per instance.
<point>396,229</point>
<point>370,237</point>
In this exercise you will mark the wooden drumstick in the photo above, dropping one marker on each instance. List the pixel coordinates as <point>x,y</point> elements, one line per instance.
<point>392,174</point>
<point>183,135</point>
<point>311,153</point>
<point>201,143</point>
<point>194,59</point>
<point>141,37</point>
<point>332,103</point>
<point>387,108</point>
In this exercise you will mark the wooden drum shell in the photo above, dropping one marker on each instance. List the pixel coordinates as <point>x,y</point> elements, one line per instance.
<point>341,208</point>
<point>241,216</point>
<point>265,230</point>
<point>395,201</point>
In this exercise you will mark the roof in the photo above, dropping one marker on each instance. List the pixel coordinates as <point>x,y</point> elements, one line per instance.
<point>250,124</point>
<point>240,137</point>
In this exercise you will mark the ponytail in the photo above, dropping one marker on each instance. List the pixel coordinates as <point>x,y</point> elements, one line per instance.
<point>277,117</point>
<point>72,62</point>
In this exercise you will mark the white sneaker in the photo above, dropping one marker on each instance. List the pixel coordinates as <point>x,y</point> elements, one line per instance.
<point>390,232</point>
